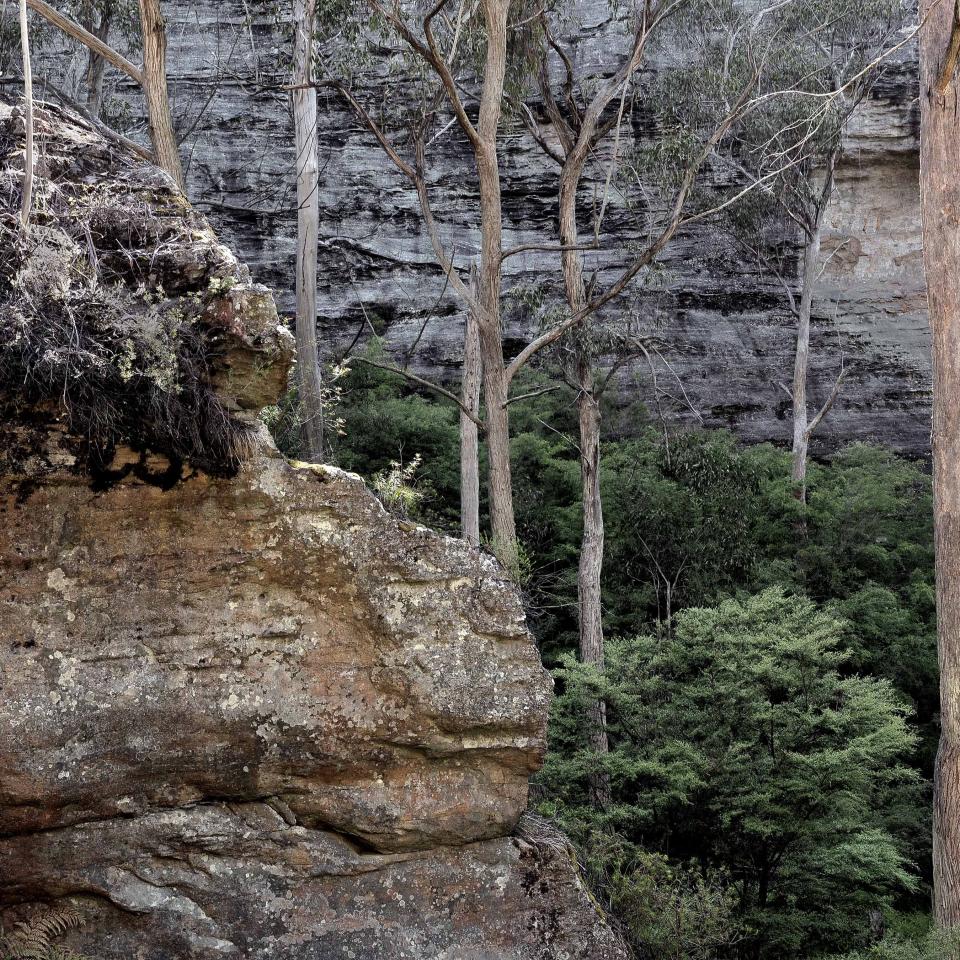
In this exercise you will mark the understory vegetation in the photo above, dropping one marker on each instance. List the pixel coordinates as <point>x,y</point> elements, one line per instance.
<point>771,676</point>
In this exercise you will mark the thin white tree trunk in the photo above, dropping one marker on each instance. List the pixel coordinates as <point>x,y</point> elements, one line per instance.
<point>308,228</point>
<point>469,433</point>
<point>939,163</point>
<point>802,426</point>
<point>801,366</point>
<point>27,197</point>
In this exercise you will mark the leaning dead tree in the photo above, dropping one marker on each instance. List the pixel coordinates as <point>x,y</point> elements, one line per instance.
<point>152,77</point>
<point>939,162</point>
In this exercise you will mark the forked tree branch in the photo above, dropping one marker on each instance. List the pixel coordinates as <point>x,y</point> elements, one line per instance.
<point>431,54</point>
<point>649,254</point>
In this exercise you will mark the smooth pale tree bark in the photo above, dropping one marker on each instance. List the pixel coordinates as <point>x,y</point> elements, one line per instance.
<point>803,425</point>
<point>940,205</point>
<point>308,228</point>
<point>27,197</point>
<point>469,432</point>
<point>801,365</point>
<point>155,90</point>
<point>590,608</point>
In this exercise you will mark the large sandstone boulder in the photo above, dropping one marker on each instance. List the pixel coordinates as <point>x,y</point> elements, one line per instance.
<point>244,711</point>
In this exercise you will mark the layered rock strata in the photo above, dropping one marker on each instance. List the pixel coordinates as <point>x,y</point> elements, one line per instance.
<point>726,328</point>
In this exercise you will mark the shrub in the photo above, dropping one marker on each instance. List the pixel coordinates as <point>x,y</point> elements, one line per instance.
<point>740,741</point>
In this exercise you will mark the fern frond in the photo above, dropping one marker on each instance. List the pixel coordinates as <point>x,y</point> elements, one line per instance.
<point>32,939</point>
<point>58,953</point>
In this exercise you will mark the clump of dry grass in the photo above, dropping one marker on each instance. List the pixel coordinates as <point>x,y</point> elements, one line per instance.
<point>102,303</point>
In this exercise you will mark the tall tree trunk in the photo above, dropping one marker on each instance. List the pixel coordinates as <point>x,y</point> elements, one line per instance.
<point>469,434</point>
<point>308,228</point>
<point>155,90</point>
<point>495,382</point>
<point>801,366</point>
<point>96,63</point>
<point>27,196</point>
<point>503,526</point>
<point>589,604</point>
<point>940,205</point>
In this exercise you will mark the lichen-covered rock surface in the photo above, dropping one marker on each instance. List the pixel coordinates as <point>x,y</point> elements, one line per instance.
<point>250,713</point>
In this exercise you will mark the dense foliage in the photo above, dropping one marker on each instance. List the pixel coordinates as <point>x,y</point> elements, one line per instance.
<point>771,671</point>
<point>738,740</point>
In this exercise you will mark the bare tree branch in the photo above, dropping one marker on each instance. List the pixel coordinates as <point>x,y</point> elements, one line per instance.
<point>533,393</point>
<point>431,55</point>
<point>423,383</point>
<point>828,403</point>
<point>652,251</point>
<point>108,133</point>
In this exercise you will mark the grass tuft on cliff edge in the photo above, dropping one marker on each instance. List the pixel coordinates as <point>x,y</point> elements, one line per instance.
<point>106,303</point>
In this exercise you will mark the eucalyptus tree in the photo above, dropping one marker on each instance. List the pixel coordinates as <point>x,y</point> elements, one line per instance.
<point>27,187</point>
<point>939,162</point>
<point>452,63</point>
<point>457,52</point>
<point>151,77</point>
<point>108,21</point>
<point>578,123</point>
<point>830,53</point>
<point>308,226</point>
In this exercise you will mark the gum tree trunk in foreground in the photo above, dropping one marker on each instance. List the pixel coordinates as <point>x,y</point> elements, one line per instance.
<point>940,189</point>
<point>308,228</point>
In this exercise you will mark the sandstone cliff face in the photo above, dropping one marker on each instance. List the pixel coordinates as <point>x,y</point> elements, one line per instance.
<point>727,328</point>
<point>254,715</point>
